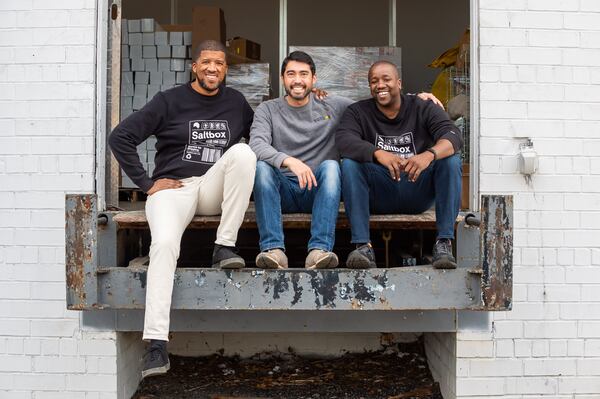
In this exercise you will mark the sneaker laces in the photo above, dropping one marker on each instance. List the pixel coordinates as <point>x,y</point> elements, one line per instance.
<point>444,244</point>
<point>365,249</point>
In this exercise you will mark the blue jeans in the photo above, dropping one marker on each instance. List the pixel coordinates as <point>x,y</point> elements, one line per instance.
<point>369,188</point>
<point>276,193</point>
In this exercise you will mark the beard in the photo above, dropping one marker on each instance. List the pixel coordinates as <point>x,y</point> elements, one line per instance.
<point>206,87</point>
<point>288,91</point>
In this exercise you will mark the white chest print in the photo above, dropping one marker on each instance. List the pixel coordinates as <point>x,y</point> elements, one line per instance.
<point>207,141</point>
<point>402,145</point>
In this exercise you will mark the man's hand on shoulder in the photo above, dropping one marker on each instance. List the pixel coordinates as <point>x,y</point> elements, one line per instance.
<point>164,184</point>
<point>306,177</point>
<point>417,164</point>
<point>394,163</point>
<point>430,97</point>
<point>319,93</point>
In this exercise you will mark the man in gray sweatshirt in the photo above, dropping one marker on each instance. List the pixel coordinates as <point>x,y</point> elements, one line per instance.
<point>298,169</point>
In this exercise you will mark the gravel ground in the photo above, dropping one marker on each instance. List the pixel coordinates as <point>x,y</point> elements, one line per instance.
<point>399,372</point>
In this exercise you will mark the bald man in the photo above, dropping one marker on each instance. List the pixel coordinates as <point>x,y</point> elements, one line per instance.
<point>399,155</point>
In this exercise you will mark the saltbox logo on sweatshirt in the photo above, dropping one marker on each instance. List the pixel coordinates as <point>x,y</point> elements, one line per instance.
<point>402,145</point>
<point>207,140</point>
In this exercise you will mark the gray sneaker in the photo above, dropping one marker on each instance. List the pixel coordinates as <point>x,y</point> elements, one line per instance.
<point>156,359</point>
<point>442,254</point>
<point>227,258</point>
<point>272,259</point>
<point>362,257</point>
<point>319,259</point>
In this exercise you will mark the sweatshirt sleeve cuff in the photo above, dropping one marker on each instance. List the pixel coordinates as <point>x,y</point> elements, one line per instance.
<point>455,139</point>
<point>146,184</point>
<point>279,158</point>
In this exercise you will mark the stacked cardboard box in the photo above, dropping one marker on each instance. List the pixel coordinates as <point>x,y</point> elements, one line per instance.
<point>252,80</point>
<point>152,60</point>
<point>343,70</point>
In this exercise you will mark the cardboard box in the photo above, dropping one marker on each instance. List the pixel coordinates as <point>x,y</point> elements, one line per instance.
<point>164,64</point>
<point>176,38</point>
<point>177,65</point>
<point>147,25</point>
<point>244,47</point>
<point>179,52</point>
<point>149,51</point>
<point>156,78</point>
<point>169,78</point>
<point>140,91</point>
<point>177,28</point>
<point>135,51</point>
<point>138,65</point>
<point>182,78</point>
<point>148,39</point>
<point>207,23</point>
<point>161,38</point>
<point>151,64</point>
<point>135,39</point>
<point>134,25</point>
<point>163,51</point>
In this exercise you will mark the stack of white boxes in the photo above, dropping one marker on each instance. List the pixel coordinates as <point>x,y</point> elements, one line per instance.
<point>152,60</point>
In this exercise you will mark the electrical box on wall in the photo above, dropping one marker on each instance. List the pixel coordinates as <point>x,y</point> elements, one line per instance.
<point>528,158</point>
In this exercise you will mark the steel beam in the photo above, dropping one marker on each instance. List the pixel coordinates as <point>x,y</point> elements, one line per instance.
<point>403,288</point>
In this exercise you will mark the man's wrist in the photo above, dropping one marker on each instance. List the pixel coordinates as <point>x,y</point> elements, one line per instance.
<point>432,152</point>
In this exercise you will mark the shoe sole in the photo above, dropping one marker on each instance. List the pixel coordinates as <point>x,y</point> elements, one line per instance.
<point>444,263</point>
<point>266,262</point>
<point>156,371</point>
<point>360,263</point>
<point>230,264</point>
<point>329,261</point>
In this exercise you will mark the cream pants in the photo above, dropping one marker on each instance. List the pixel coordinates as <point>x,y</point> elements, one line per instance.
<point>224,189</point>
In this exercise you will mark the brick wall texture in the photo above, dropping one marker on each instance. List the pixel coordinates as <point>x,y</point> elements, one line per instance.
<point>540,78</point>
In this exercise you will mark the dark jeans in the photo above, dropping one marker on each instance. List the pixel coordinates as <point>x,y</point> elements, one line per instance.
<point>368,188</point>
<point>276,193</point>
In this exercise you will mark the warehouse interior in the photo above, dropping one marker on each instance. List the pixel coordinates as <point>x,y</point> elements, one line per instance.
<point>429,41</point>
<point>424,29</point>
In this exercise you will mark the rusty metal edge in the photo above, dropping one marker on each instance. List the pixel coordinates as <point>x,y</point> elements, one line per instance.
<point>81,251</point>
<point>497,252</point>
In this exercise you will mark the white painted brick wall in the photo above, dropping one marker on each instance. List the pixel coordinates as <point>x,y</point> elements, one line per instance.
<point>47,86</point>
<point>540,78</point>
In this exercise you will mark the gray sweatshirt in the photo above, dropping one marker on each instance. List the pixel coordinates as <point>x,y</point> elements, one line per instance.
<point>307,133</point>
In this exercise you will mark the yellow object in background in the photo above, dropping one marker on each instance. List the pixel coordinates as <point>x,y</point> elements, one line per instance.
<point>448,58</point>
<point>441,85</point>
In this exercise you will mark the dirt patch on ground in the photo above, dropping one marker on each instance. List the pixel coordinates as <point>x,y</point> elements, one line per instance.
<point>395,373</point>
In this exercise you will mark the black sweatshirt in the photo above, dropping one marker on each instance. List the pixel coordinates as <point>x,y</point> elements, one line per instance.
<point>364,129</point>
<point>192,132</point>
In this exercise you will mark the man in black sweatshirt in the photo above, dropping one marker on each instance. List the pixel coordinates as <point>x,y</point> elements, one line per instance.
<point>201,169</point>
<point>399,155</point>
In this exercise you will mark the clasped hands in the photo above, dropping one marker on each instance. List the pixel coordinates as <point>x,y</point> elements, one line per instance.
<point>413,166</point>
